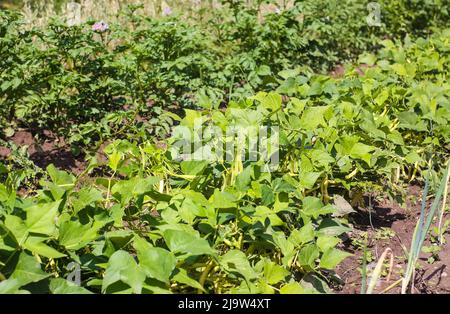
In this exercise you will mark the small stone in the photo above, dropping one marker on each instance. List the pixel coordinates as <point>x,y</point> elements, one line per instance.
<point>343,207</point>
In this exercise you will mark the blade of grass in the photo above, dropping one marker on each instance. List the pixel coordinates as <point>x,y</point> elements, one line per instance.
<point>422,227</point>
<point>441,215</point>
<point>379,267</point>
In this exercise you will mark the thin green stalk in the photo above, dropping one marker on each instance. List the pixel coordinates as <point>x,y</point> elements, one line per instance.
<point>204,275</point>
<point>108,195</point>
<point>444,204</point>
<point>422,228</point>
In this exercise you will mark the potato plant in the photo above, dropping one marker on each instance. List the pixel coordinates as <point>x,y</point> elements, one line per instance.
<point>78,80</point>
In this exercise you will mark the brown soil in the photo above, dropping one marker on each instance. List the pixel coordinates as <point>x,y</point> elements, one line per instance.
<point>430,277</point>
<point>4,152</point>
<point>50,149</point>
<point>339,70</point>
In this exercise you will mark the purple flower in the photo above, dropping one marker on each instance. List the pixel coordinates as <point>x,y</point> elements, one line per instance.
<point>167,11</point>
<point>161,145</point>
<point>150,103</point>
<point>100,27</point>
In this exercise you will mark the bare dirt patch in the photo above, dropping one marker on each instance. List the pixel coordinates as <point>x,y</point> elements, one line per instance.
<point>49,149</point>
<point>390,225</point>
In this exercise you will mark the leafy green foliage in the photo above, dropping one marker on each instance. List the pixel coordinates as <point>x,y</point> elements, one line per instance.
<point>148,219</point>
<point>85,85</point>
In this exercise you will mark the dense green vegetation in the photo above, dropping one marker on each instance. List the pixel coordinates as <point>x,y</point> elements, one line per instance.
<point>147,221</point>
<point>69,78</point>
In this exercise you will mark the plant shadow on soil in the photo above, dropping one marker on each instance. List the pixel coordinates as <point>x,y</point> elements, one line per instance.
<point>50,149</point>
<point>400,223</point>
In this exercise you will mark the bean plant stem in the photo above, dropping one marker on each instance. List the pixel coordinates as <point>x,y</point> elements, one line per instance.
<point>204,275</point>
<point>108,195</point>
